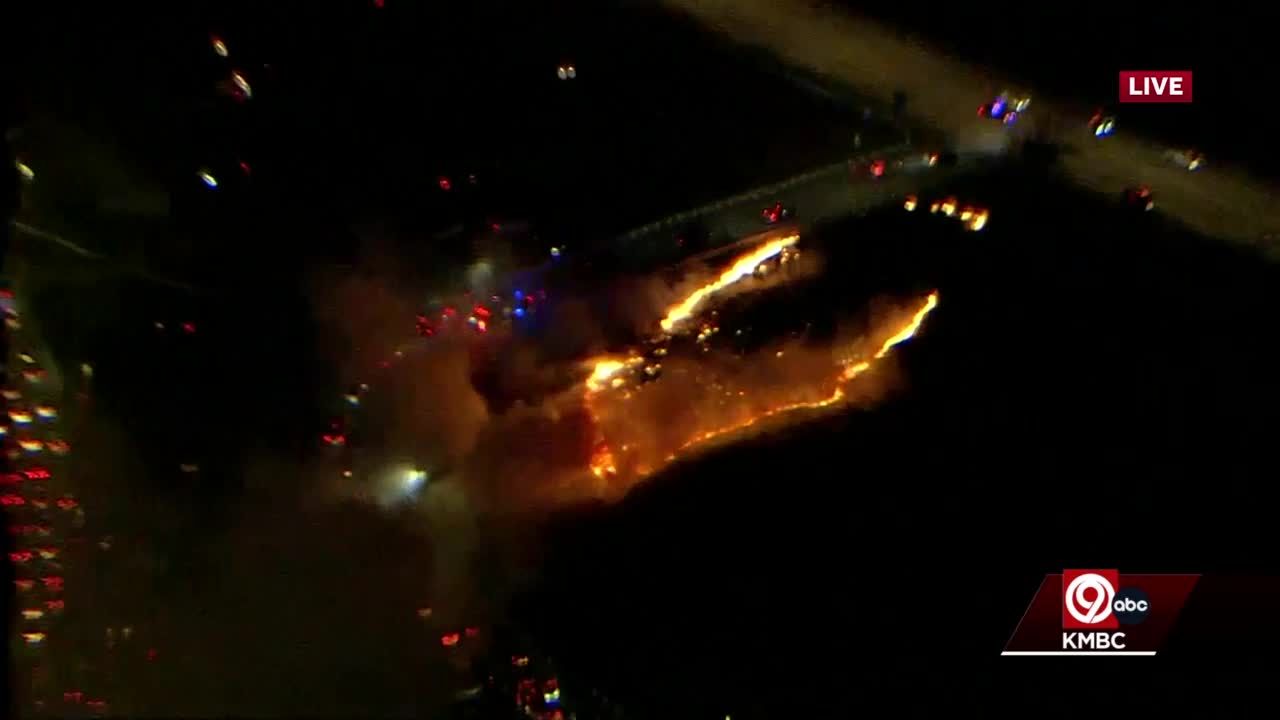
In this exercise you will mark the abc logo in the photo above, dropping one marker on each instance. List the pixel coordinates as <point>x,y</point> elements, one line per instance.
<point>1131,606</point>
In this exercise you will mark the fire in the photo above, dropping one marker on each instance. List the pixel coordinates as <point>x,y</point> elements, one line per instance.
<point>603,370</point>
<point>604,463</point>
<point>743,266</point>
<point>909,330</point>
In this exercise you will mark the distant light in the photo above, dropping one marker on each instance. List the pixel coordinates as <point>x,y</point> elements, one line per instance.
<point>445,183</point>
<point>413,479</point>
<point>379,4</point>
<point>207,178</point>
<point>562,72</point>
<point>241,83</point>
<point>555,252</point>
<point>219,46</point>
<point>26,172</point>
<point>352,399</point>
<point>519,294</point>
<point>572,72</point>
<point>519,312</point>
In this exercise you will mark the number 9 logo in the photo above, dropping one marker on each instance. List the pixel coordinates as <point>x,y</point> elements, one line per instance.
<point>1088,598</point>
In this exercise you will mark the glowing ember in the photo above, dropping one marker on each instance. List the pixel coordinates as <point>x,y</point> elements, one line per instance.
<point>603,371</point>
<point>602,462</point>
<point>743,266</point>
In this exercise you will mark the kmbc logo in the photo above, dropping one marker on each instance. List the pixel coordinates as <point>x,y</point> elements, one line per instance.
<point>1100,612</point>
<point>1094,600</point>
<point>1155,86</point>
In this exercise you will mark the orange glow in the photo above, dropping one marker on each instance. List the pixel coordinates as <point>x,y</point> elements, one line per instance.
<point>604,463</point>
<point>742,267</point>
<point>603,370</point>
<point>910,329</point>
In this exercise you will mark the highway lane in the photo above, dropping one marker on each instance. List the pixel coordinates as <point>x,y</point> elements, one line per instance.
<point>943,91</point>
<point>840,189</point>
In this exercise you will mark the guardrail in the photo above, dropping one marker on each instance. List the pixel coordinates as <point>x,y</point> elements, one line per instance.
<point>755,194</point>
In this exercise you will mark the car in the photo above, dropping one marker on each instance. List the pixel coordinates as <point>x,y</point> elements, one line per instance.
<point>1191,160</point>
<point>775,213</point>
<point>1102,124</point>
<point>1000,109</point>
<point>1140,198</point>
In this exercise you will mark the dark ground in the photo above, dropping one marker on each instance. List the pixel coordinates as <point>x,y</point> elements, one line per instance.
<point>1094,390</point>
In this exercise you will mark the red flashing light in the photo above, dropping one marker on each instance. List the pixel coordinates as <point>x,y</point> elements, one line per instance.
<point>244,168</point>
<point>481,311</point>
<point>21,556</point>
<point>12,500</point>
<point>334,439</point>
<point>189,328</point>
<point>445,184</point>
<point>472,632</point>
<point>53,582</point>
<point>450,639</point>
<point>36,473</point>
<point>55,604</point>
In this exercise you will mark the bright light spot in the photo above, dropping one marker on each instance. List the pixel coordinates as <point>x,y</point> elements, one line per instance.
<point>603,371</point>
<point>910,203</point>
<point>413,479</point>
<point>219,47</point>
<point>555,252</point>
<point>572,72</point>
<point>33,638</point>
<point>207,178</point>
<point>241,83</point>
<point>562,72</point>
<point>742,267</point>
<point>26,172</point>
<point>978,221</point>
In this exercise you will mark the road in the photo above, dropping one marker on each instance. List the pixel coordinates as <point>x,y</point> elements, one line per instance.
<point>837,190</point>
<point>943,91</point>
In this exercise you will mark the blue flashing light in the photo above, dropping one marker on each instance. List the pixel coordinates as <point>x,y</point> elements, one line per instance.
<point>519,294</point>
<point>519,312</point>
<point>997,108</point>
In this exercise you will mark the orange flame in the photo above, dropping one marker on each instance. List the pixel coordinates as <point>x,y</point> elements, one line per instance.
<point>742,267</point>
<point>603,463</point>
